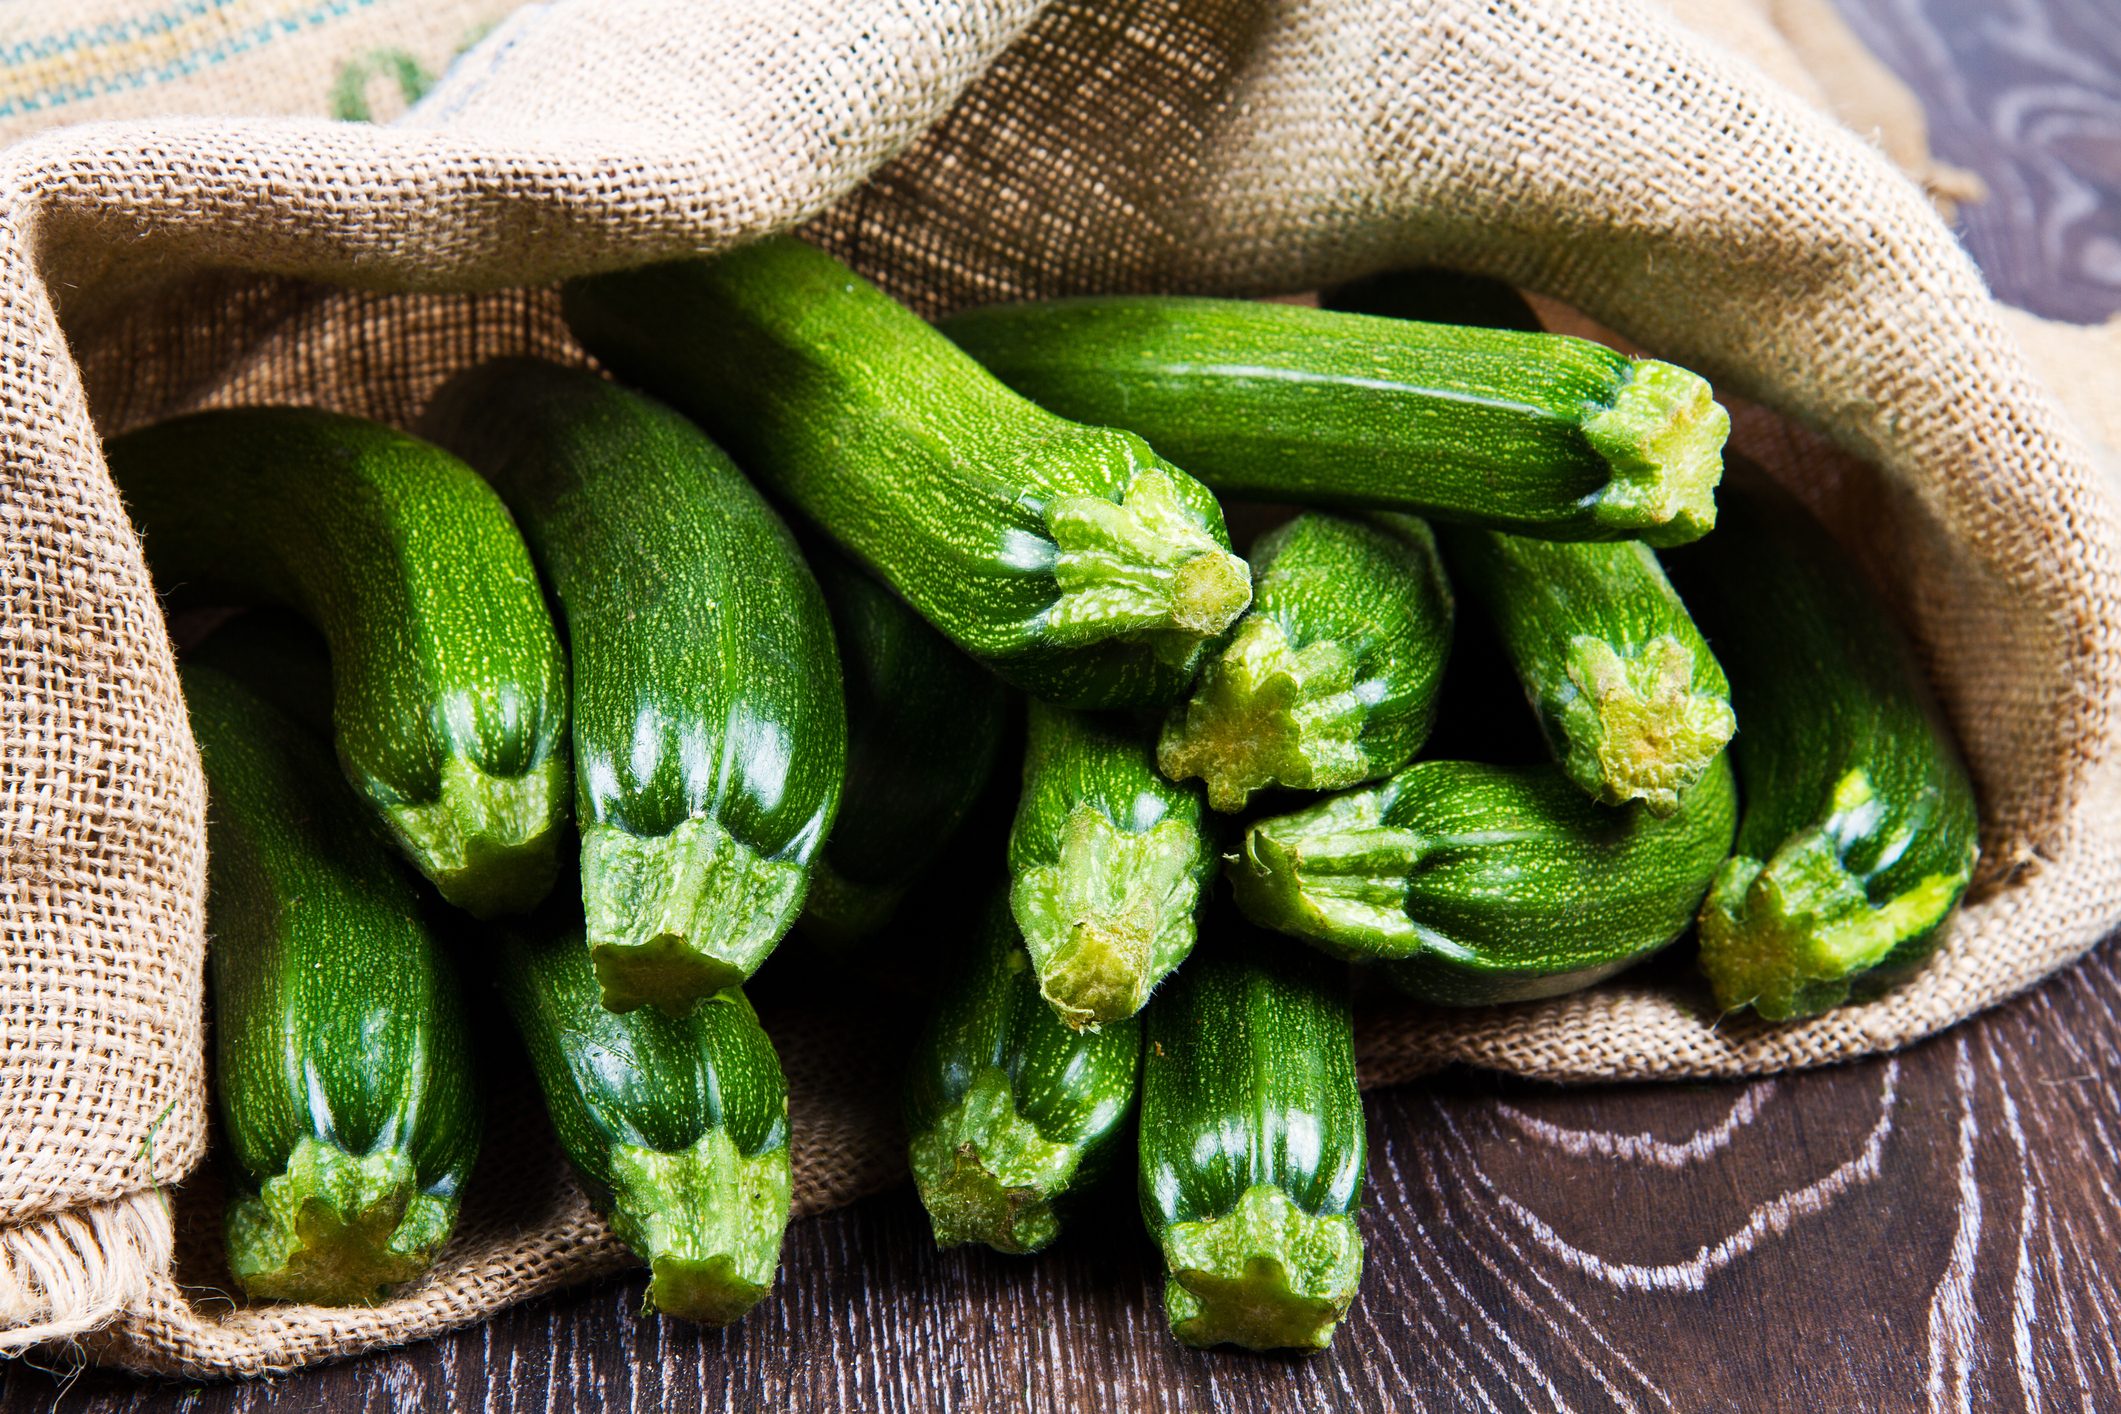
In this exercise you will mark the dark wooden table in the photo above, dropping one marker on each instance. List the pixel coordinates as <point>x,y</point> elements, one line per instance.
<point>1935,1230</point>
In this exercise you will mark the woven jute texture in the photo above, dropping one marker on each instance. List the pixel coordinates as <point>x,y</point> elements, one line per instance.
<point>1590,150</point>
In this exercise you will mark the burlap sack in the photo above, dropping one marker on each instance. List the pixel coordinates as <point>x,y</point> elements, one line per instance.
<point>1591,150</point>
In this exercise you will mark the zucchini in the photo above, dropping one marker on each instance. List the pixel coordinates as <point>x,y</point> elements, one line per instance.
<point>450,688</point>
<point>709,734</point>
<point>276,657</point>
<point>924,728</point>
<point>1011,1110</point>
<point>1071,560</point>
<point>1860,833</point>
<point>1252,1146</point>
<point>342,1060</point>
<point>1537,434</point>
<point>1106,863</point>
<point>676,1126</point>
<point>1477,883</point>
<point>1331,677</point>
<point>1632,703</point>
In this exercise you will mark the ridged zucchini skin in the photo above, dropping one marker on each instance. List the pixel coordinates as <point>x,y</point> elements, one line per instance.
<point>1252,1145</point>
<point>1010,1110</point>
<point>924,730</point>
<point>710,738</point>
<point>1860,833</point>
<point>1071,560</point>
<point>1331,676</point>
<point>450,686</point>
<point>344,1068</point>
<point>676,1126</point>
<point>1632,703</point>
<point>1476,884</point>
<point>1537,434</point>
<point>1106,862</point>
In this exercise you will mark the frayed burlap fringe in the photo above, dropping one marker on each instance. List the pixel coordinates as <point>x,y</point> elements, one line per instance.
<point>67,1273</point>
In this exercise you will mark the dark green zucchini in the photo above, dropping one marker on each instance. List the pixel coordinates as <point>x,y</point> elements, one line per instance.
<point>709,734</point>
<point>1633,704</point>
<point>1071,560</point>
<point>1106,863</point>
<point>1252,1145</point>
<point>450,686</point>
<point>1859,834</point>
<point>275,656</point>
<point>924,726</point>
<point>1331,677</point>
<point>1478,883</point>
<point>1011,1110</point>
<point>677,1126</point>
<point>342,1062</point>
<point>1537,434</point>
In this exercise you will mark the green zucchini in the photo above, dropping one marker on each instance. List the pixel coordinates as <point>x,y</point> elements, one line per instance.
<point>1071,560</point>
<point>342,1060</point>
<point>1332,675</point>
<point>450,687</point>
<point>1859,834</point>
<point>1011,1110</point>
<point>1106,863</point>
<point>676,1126</point>
<point>1632,702</point>
<point>1436,296</point>
<point>924,727</point>
<point>1252,1146</point>
<point>1477,883</point>
<point>709,733</point>
<point>1537,434</point>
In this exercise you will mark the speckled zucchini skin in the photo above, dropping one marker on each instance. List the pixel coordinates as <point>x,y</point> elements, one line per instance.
<point>1252,1145</point>
<point>1331,677</point>
<point>1860,833</point>
<point>1071,560</point>
<point>1010,1110</point>
<point>1537,434</point>
<point>709,733</point>
<point>1632,703</point>
<point>677,1126</point>
<point>1106,861</point>
<point>343,1066</point>
<point>924,730</point>
<point>1477,883</point>
<point>449,682</point>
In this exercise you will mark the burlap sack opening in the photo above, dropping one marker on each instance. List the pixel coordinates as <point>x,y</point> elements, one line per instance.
<point>1588,150</point>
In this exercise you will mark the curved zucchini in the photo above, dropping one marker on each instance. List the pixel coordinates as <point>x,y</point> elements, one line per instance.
<point>1331,677</point>
<point>344,1067</point>
<point>677,1126</point>
<point>1252,1146</point>
<point>924,727</point>
<point>709,734</point>
<point>1106,862</point>
<point>1538,434</point>
<point>1071,560</point>
<point>450,687</point>
<point>1479,884</point>
<point>1859,834</point>
<point>1011,1110</point>
<point>1632,702</point>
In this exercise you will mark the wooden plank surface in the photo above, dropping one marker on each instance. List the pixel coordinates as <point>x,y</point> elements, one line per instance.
<point>1935,1230</point>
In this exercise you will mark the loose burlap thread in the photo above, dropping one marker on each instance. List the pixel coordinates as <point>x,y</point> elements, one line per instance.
<point>1590,150</point>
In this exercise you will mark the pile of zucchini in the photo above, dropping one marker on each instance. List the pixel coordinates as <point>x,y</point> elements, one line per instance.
<point>586,687</point>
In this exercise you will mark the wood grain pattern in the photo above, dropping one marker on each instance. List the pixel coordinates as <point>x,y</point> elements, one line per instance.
<point>1933,1231</point>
